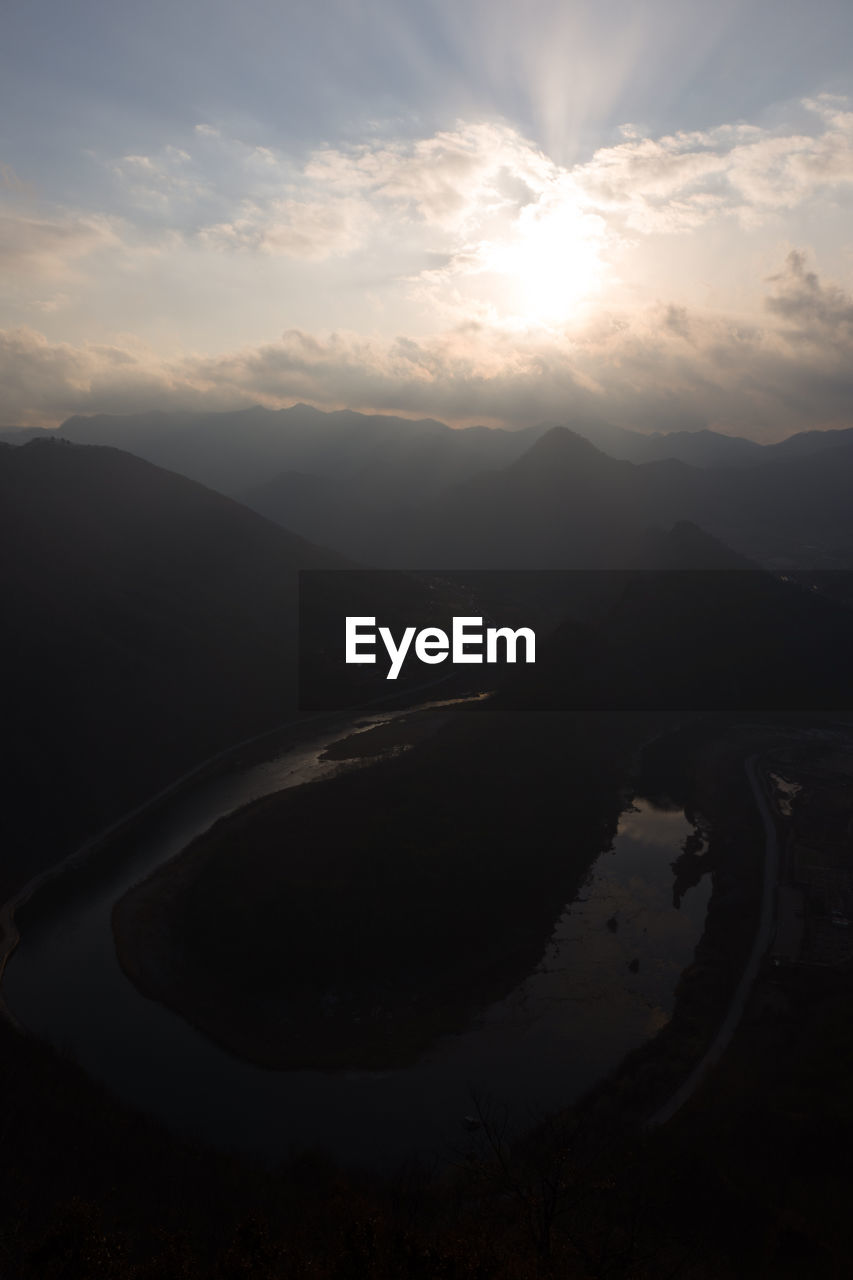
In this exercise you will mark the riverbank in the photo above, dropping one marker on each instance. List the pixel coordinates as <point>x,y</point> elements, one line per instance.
<point>761,943</point>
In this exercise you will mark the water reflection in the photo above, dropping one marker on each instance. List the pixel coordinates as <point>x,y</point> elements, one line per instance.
<point>607,979</point>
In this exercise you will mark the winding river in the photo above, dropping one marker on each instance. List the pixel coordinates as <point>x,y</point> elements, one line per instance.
<point>604,984</point>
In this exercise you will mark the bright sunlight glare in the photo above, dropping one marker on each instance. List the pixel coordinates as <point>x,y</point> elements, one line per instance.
<point>549,264</point>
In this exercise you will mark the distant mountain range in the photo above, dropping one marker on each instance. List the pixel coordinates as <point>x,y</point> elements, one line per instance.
<point>565,504</point>
<point>250,446</point>
<point>392,491</point>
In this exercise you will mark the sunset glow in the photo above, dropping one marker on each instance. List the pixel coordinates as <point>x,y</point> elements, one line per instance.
<point>607,215</point>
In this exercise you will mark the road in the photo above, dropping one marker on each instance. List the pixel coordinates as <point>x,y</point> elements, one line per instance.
<point>763,938</point>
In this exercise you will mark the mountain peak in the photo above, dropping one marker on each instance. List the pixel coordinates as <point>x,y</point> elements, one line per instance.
<point>563,442</point>
<point>560,447</point>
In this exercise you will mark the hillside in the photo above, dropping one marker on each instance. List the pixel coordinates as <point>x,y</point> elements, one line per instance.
<point>148,623</point>
<point>566,504</point>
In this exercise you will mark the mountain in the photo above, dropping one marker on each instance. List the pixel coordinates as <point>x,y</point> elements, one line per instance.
<point>349,480</point>
<point>20,435</point>
<point>148,623</point>
<point>565,504</point>
<point>562,505</point>
<point>386,489</point>
<point>543,511</point>
<point>339,477</point>
<point>809,442</point>
<point>235,452</point>
<point>791,512</point>
<point>698,448</point>
<point>701,447</point>
<point>245,452</point>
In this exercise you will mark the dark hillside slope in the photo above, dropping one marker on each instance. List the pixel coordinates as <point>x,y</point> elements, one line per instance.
<point>147,623</point>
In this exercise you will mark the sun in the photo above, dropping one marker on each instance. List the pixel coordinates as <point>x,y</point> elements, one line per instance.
<point>549,264</point>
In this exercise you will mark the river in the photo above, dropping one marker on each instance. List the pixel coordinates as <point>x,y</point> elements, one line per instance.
<point>604,985</point>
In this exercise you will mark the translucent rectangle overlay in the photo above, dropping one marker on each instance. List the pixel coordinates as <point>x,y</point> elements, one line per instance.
<point>739,641</point>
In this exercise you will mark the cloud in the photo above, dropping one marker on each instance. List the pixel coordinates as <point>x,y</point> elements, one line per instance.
<point>452,180</point>
<point>494,283</point>
<point>663,368</point>
<point>11,182</point>
<point>682,180</point>
<point>486,201</point>
<point>308,230</point>
<point>814,312</point>
<point>44,382</point>
<point>34,247</point>
<point>167,184</point>
<point>476,223</point>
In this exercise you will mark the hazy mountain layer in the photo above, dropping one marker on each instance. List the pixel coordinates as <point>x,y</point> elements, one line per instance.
<point>237,451</point>
<point>565,504</point>
<point>354,481</point>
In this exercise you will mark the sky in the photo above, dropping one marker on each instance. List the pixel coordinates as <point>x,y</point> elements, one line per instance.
<point>475,211</point>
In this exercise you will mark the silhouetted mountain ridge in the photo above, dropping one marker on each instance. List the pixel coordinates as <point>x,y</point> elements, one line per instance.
<point>565,504</point>
<point>382,481</point>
